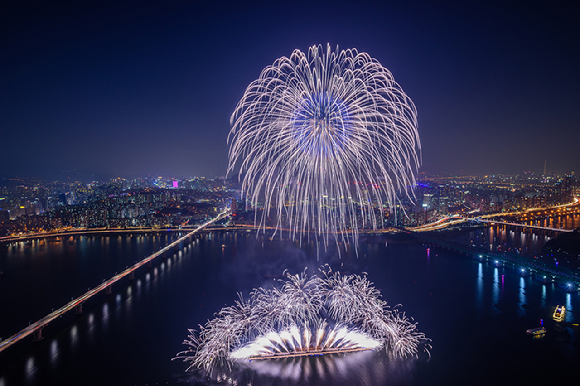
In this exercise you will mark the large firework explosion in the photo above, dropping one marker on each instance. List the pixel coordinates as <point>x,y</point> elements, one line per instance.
<point>303,315</point>
<point>326,140</point>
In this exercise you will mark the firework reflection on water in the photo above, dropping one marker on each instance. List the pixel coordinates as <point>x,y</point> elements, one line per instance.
<point>365,368</point>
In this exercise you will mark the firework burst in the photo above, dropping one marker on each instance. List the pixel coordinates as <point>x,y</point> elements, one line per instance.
<point>327,140</point>
<point>303,316</point>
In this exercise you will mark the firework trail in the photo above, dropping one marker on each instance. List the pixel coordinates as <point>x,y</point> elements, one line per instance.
<point>326,140</point>
<point>303,315</point>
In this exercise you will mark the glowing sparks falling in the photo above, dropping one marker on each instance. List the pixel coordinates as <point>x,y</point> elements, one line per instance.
<point>323,137</point>
<point>303,315</point>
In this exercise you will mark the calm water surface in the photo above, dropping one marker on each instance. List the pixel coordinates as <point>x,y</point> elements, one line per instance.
<point>475,313</point>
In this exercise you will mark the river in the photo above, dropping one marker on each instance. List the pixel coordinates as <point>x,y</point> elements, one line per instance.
<point>474,313</point>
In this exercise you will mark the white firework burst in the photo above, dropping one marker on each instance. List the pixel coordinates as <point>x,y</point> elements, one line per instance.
<point>327,140</point>
<point>303,316</point>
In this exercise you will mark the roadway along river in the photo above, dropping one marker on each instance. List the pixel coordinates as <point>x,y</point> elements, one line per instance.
<point>476,314</point>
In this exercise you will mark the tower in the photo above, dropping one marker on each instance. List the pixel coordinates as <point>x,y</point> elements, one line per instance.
<point>544,167</point>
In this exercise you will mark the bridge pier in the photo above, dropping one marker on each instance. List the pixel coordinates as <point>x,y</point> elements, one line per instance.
<point>37,335</point>
<point>132,275</point>
<point>149,264</point>
<point>79,309</point>
<point>109,289</point>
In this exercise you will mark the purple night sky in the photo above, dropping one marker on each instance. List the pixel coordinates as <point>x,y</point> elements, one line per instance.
<point>134,88</point>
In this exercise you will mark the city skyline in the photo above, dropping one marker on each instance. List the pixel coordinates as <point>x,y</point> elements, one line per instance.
<point>115,89</point>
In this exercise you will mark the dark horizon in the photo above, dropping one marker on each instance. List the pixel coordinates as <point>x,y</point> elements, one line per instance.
<point>125,88</point>
<point>84,177</point>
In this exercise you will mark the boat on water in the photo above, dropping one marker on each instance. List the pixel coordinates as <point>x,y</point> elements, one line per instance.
<point>559,313</point>
<point>536,331</point>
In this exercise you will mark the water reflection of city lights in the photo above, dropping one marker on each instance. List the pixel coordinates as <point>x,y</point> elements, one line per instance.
<point>569,315</point>
<point>480,287</point>
<point>53,351</point>
<point>30,367</point>
<point>522,297</point>
<point>496,286</point>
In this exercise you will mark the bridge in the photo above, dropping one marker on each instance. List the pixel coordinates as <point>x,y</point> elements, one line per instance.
<point>523,225</point>
<point>457,219</point>
<point>93,231</point>
<point>35,329</point>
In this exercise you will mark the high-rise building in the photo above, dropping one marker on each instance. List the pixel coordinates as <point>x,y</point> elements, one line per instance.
<point>427,201</point>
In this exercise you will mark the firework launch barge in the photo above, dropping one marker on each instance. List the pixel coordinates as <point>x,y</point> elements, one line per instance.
<point>310,352</point>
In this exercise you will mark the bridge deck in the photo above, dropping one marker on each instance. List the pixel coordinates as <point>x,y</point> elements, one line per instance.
<point>526,226</point>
